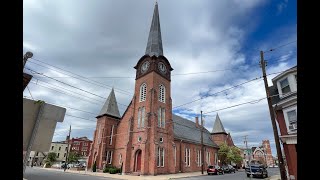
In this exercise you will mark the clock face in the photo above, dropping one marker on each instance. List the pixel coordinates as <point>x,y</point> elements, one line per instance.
<point>145,66</point>
<point>162,67</point>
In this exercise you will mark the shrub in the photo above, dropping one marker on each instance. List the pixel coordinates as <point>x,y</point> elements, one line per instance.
<point>113,170</point>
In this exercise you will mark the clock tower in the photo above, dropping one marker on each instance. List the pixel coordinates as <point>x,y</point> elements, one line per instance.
<point>153,140</point>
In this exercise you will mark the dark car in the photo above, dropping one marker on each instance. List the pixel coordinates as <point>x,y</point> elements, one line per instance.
<point>214,170</point>
<point>228,169</point>
<point>232,169</point>
<point>256,170</point>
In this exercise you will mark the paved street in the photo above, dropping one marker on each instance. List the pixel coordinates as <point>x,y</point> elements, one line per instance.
<point>40,174</point>
<point>239,175</point>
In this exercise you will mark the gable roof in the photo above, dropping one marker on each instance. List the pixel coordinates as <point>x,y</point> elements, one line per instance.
<point>185,129</point>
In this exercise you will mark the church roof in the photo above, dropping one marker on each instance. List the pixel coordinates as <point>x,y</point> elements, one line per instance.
<point>110,107</point>
<point>218,127</point>
<point>154,46</point>
<point>185,129</point>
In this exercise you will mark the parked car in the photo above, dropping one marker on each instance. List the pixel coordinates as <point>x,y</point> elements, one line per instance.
<point>231,169</point>
<point>256,170</point>
<point>225,168</point>
<point>214,170</point>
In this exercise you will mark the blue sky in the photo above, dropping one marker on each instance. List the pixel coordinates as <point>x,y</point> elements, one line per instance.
<point>104,39</point>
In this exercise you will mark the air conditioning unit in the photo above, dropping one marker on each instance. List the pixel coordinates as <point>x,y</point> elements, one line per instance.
<point>293,126</point>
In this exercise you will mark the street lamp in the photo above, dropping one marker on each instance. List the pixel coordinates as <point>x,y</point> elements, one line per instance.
<point>26,57</point>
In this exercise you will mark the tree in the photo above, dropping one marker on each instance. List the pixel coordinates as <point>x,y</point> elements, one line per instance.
<point>73,157</point>
<point>51,157</point>
<point>223,153</point>
<point>229,154</point>
<point>236,158</point>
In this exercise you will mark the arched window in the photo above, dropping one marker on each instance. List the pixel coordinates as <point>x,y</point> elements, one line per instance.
<point>161,117</point>
<point>162,93</point>
<point>143,92</point>
<point>141,115</point>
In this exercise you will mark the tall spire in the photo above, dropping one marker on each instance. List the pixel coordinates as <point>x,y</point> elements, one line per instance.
<point>110,107</point>
<point>154,46</point>
<point>218,127</point>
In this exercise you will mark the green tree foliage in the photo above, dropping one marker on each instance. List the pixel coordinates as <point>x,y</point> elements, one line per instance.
<point>51,157</point>
<point>73,157</point>
<point>229,154</point>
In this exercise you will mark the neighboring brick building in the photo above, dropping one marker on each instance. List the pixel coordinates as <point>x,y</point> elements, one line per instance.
<point>284,102</point>
<point>148,138</point>
<point>80,145</point>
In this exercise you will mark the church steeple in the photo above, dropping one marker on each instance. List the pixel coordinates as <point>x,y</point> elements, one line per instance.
<point>110,107</point>
<point>218,127</point>
<point>154,46</point>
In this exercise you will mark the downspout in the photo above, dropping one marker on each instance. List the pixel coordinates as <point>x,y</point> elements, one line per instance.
<point>180,168</point>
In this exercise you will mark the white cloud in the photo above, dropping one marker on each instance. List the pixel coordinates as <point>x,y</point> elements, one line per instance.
<point>104,39</point>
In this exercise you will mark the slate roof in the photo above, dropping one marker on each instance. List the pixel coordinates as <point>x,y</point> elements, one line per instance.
<point>110,107</point>
<point>185,129</point>
<point>154,46</point>
<point>218,127</point>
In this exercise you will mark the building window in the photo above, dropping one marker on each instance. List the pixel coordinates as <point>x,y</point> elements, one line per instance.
<point>59,148</point>
<point>160,157</point>
<point>175,156</point>
<point>111,134</point>
<point>284,84</point>
<point>64,154</point>
<point>215,158</point>
<point>199,158</point>
<point>161,117</point>
<point>161,139</point>
<point>58,155</point>
<point>162,93</point>
<point>141,115</point>
<point>109,157</point>
<point>143,92</point>
<point>84,148</point>
<point>120,158</point>
<point>187,157</point>
<point>208,158</point>
<point>52,147</point>
<point>292,118</point>
<point>85,144</point>
<point>99,135</point>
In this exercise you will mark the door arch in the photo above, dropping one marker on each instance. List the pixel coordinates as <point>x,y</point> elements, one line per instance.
<point>137,161</point>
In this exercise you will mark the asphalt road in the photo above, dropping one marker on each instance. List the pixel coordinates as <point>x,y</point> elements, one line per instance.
<point>40,174</point>
<point>239,175</point>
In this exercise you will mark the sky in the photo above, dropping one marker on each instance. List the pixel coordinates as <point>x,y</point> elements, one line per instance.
<point>82,49</point>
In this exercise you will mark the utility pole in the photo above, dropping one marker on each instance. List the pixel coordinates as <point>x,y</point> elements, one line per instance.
<point>26,57</point>
<point>202,152</point>
<point>246,142</point>
<point>68,140</point>
<point>263,65</point>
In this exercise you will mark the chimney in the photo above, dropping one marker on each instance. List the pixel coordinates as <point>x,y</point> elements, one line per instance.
<point>197,121</point>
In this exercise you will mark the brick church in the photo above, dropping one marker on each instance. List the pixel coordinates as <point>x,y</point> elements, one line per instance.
<point>148,139</point>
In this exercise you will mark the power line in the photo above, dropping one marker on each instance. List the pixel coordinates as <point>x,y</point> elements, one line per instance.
<point>30,93</point>
<point>65,93</point>
<point>79,76</point>
<point>217,92</point>
<point>80,118</point>
<point>251,102</point>
<point>273,49</point>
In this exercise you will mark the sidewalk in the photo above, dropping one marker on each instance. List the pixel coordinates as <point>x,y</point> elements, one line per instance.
<point>146,177</point>
<point>118,176</point>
